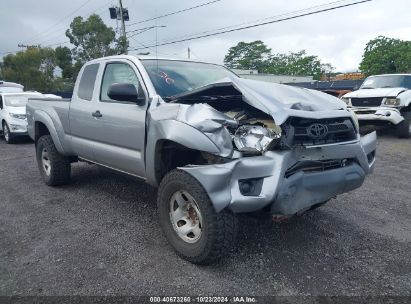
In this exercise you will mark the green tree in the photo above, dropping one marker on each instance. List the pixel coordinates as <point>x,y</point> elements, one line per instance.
<point>92,39</point>
<point>256,55</point>
<point>248,56</point>
<point>65,61</point>
<point>298,63</point>
<point>384,55</point>
<point>33,68</point>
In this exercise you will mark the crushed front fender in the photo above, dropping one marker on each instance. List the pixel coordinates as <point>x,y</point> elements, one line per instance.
<point>287,194</point>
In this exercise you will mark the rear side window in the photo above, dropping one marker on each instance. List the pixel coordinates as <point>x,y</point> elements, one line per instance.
<point>87,81</point>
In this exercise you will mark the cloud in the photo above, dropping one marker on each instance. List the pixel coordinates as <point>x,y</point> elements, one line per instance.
<point>337,37</point>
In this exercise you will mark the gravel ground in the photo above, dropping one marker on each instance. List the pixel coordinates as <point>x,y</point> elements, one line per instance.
<point>99,236</point>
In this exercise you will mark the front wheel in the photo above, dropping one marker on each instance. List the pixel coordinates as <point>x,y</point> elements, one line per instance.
<point>189,221</point>
<point>54,167</point>
<point>8,136</point>
<point>403,129</point>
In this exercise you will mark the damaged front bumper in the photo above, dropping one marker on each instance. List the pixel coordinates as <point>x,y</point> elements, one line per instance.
<point>287,181</point>
<point>380,114</point>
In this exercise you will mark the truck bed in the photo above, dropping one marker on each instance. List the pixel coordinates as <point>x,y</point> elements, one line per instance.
<point>41,110</point>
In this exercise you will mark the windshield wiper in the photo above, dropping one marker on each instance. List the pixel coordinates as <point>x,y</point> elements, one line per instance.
<point>209,98</point>
<point>167,98</point>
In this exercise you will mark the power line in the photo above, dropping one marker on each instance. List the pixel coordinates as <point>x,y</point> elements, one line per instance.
<point>258,20</point>
<point>144,28</point>
<point>49,45</point>
<point>55,30</point>
<point>48,32</point>
<point>176,12</point>
<point>60,21</point>
<point>153,50</point>
<point>257,25</point>
<point>58,43</point>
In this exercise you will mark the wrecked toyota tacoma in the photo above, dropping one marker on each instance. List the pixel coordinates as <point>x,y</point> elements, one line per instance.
<point>214,144</point>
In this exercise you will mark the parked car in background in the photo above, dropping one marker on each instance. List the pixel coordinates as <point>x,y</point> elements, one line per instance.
<point>13,113</point>
<point>384,100</point>
<point>216,145</point>
<point>10,87</point>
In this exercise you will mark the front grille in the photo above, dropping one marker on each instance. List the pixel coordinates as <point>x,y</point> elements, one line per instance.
<point>299,131</point>
<point>366,102</point>
<point>365,112</point>
<point>316,166</point>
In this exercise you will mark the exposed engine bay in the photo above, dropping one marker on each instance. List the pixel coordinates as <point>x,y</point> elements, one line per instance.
<point>253,131</point>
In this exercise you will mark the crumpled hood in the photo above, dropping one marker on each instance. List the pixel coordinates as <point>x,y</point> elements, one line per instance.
<point>381,92</point>
<point>278,100</point>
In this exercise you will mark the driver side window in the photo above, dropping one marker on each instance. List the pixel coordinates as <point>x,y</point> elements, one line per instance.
<point>117,73</point>
<point>1,102</point>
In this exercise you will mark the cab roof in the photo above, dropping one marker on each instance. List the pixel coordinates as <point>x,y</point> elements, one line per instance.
<point>395,74</point>
<point>145,57</point>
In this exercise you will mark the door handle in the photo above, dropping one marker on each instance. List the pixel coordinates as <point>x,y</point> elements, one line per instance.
<point>97,114</point>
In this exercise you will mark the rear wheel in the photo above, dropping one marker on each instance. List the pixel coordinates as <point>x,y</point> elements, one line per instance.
<point>8,136</point>
<point>403,129</point>
<point>54,167</point>
<point>189,221</point>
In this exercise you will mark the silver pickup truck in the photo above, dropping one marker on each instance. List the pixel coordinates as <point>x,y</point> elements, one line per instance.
<point>214,144</point>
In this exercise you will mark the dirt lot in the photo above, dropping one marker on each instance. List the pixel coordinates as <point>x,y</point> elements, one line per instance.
<point>99,236</point>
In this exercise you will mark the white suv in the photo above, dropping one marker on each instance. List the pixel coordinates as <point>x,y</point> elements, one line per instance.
<point>13,113</point>
<point>384,100</point>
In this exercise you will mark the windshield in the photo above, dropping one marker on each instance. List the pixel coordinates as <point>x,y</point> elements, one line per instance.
<point>171,77</point>
<point>17,100</point>
<point>388,81</point>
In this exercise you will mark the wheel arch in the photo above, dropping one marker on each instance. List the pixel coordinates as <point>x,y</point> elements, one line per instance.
<point>178,137</point>
<point>170,154</point>
<point>43,125</point>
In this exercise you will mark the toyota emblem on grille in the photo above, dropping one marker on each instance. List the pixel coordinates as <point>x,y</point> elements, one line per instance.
<point>317,131</point>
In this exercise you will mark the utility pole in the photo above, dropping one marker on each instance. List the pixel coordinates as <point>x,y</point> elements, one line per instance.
<point>123,26</point>
<point>189,53</point>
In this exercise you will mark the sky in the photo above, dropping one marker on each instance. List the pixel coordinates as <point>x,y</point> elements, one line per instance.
<point>337,37</point>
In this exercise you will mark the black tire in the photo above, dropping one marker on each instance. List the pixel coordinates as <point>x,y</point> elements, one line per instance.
<point>403,129</point>
<point>59,165</point>
<point>218,230</point>
<point>8,136</point>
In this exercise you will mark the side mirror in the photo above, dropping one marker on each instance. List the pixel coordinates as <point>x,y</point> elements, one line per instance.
<point>124,92</point>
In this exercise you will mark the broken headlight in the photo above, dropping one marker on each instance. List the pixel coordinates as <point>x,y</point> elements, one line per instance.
<point>256,139</point>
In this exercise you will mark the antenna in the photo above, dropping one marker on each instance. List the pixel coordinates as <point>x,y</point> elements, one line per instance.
<point>155,23</point>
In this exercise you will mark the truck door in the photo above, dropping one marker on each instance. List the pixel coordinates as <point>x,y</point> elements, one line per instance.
<point>83,125</point>
<point>120,140</point>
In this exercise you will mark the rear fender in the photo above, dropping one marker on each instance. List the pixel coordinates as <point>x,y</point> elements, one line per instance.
<point>44,118</point>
